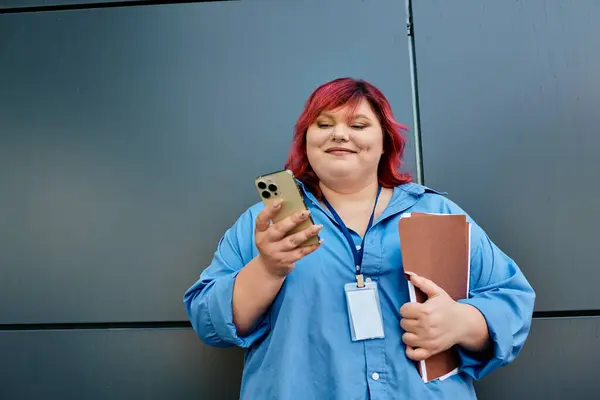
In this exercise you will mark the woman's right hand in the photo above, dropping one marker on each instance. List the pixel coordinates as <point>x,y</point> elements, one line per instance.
<point>279,253</point>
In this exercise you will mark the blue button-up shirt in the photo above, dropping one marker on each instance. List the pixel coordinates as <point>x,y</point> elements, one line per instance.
<point>301,347</point>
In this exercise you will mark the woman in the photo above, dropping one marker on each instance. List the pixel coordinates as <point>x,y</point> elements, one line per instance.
<point>286,304</point>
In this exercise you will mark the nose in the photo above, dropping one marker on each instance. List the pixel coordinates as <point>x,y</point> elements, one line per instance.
<point>339,134</point>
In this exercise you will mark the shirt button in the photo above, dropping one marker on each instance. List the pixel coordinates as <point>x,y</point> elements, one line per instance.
<point>375,376</point>
<point>358,247</point>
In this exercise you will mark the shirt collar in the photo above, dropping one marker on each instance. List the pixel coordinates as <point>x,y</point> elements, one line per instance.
<point>404,196</point>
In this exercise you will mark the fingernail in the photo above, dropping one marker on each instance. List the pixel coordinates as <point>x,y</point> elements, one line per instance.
<point>304,214</point>
<point>278,204</point>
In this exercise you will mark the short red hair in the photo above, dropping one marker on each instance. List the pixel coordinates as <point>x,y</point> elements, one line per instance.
<point>349,92</point>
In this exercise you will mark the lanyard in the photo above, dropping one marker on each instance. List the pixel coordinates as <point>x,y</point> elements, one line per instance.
<point>357,253</point>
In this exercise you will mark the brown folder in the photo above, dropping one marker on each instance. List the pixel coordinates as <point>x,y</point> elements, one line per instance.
<point>437,247</point>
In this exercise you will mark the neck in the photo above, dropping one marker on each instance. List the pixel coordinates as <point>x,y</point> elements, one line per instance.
<point>358,192</point>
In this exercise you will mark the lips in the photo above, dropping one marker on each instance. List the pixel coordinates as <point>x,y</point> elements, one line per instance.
<point>339,150</point>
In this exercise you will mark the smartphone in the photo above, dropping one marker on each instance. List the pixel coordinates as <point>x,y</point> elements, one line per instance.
<point>282,185</point>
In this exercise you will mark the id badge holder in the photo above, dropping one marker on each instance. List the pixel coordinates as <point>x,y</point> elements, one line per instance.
<point>364,311</point>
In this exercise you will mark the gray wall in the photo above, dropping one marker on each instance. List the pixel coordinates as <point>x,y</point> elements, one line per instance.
<point>130,136</point>
<point>509,93</point>
<point>508,99</point>
<point>560,361</point>
<point>20,5</point>
<point>115,364</point>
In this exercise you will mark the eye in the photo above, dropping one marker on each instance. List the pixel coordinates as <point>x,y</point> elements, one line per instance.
<point>324,125</point>
<point>358,126</point>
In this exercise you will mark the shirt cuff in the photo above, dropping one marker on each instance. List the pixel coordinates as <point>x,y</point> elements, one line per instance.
<point>220,309</point>
<point>480,364</point>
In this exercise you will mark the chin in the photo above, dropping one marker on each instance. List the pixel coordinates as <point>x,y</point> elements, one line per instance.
<point>329,169</point>
<point>338,173</point>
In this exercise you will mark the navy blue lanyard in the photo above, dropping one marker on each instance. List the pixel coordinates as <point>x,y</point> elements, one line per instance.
<point>357,253</point>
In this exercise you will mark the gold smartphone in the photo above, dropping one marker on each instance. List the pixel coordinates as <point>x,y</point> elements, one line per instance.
<point>282,185</point>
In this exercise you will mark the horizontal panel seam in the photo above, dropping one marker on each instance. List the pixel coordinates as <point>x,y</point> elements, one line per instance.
<point>186,324</point>
<point>95,326</point>
<point>98,4</point>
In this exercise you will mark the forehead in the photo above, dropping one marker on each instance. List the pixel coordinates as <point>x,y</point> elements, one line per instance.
<point>349,111</point>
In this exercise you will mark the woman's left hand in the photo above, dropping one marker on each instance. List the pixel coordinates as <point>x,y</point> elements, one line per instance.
<point>433,326</point>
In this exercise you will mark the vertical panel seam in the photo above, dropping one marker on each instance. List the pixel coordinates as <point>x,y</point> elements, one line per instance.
<point>414,92</point>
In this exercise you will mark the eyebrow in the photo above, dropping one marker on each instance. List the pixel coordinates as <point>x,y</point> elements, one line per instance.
<point>357,116</point>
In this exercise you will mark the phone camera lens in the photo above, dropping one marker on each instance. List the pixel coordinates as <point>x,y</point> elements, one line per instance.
<point>266,194</point>
<point>262,185</point>
<point>272,187</point>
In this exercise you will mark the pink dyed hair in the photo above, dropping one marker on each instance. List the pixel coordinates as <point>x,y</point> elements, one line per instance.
<point>349,92</point>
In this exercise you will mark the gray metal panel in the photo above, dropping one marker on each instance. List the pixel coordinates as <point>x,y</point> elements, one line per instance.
<point>559,361</point>
<point>4,4</point>
<point>509,95</point>
<point>116,364</point>
<point>130,138</point>
<point>173,364</point>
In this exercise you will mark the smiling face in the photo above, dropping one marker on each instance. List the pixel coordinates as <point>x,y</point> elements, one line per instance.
<point>345,145</point>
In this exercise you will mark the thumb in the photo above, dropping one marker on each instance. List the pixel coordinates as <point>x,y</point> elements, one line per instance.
<point>427,286</point>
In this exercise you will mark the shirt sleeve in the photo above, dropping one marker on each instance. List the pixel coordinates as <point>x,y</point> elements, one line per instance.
<point>501,292</point>
<point>504,297</point>
<point>209,301</point>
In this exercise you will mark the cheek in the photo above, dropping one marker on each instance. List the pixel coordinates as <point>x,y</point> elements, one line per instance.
<point>371,143</point>
<point>316,137</point>
<point>314,142</point>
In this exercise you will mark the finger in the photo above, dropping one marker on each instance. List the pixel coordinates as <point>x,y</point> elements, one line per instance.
<point>304,251</point>
<point>412,310</point>
<point>426,285</point>
<point>409,325</point>
<point>281,228</point>
<point>412,340</point>
<point>417,354</point>
<point>293,241</point>
<point>264,218</point>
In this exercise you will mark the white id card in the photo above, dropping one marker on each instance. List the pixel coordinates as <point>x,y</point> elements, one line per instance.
<point>364,312</point>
